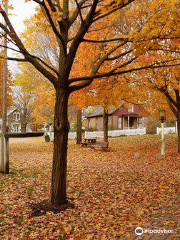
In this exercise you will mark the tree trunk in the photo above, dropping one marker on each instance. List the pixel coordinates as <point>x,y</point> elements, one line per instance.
<point>178,131</point>
<point>79,126</point>
<point>23,120</point>
<point>23,127</point>
<point>105,125</point>
<point>61,129</point>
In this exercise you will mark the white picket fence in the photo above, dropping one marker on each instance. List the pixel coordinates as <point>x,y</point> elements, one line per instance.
<point>167,130</point>
<point>71,135</point>
<point>116,133</point>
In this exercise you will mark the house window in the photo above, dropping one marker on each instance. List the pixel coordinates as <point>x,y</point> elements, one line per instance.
<point>140,123</point>
<point>14,116</point>
<point>131,108</point>
<point>17,117</point>
<point>120,122</point>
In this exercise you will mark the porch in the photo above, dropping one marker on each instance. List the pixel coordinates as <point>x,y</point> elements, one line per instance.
<point>130,122</point>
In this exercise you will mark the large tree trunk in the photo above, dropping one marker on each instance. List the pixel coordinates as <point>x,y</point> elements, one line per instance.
<point>105,125</point>
<point>178,130</point>
<point>61,129</point>
<point>79,126</point>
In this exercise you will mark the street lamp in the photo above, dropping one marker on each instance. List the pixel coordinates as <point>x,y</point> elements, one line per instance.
<point>162,119</point>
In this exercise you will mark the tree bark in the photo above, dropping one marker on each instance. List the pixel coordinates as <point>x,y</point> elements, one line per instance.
<point>178,130</point>
<point>23,120</point>
<point>61,129</point>
<point>23,128</point>
<point>79,126</point>
<point>105,125</point>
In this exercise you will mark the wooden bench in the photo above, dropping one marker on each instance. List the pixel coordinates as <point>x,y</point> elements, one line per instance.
<point>88,142</point>
<point>102,145</point>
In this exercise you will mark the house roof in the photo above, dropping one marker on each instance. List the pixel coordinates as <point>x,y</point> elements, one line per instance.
<point>11,110</point>
<point>98,111</point>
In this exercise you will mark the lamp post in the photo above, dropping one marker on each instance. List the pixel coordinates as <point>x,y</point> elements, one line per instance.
<point>162,119</point>
<point>4,139</point>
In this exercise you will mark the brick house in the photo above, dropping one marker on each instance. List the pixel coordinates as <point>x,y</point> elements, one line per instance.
<point>121,118</point>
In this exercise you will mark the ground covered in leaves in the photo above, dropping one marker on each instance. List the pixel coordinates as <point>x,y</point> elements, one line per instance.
<point>110,193</point>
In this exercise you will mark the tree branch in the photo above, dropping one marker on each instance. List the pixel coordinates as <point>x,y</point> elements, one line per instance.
<point>76,13</point>
<point>119,6</point>
<point>13,35</point>
<point>56,32</point>
<point>78,7</point>
<point>110,73</point>
<point>105,41</point>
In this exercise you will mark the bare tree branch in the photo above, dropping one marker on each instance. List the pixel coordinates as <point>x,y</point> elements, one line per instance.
<point>78,7</point>
<point>12,33</point>
<point>120,72</point>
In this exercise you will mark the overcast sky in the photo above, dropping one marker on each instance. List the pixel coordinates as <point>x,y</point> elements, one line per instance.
<point>21,11</point>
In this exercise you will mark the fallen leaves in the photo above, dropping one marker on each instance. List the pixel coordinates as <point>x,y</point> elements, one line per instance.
<point>110,193</point>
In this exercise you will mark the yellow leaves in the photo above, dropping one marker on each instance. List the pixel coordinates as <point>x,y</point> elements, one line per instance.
<point>139,213</point>
<point>132,34</point>
<point>10,7</point>
<point>57,16</point>
<point>90,236</point>
<point>128,235</point>
<point>49,213</point>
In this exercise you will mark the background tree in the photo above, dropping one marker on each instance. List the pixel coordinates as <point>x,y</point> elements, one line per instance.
<point>25,102</point>
<point>165,84</point>
<point>40,90</point>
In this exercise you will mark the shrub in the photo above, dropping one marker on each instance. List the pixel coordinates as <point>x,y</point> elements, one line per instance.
<point>22,135</point>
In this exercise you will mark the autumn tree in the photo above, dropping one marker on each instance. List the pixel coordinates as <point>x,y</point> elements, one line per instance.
<point>25,103</point>
<point>114,92</point>
<point>35,87</point>
<point>107,93</point>
<point>72,24</point>
<point>81,99</point>
<point>165,84</point>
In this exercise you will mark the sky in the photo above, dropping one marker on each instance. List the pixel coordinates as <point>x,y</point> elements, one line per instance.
<point>21,11</point>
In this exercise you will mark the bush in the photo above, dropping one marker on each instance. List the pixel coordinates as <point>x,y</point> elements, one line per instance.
<point>151,124</point>
<point>22,135</point>
<point>111,128</point>
<point>47,138</point>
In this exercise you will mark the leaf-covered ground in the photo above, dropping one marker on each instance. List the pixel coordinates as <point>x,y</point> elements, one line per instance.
<point>110,193</point>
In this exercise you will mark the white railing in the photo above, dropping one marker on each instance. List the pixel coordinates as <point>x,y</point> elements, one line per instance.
<point>116,133</point>
<point>167,130</point>
<point>71,135</point>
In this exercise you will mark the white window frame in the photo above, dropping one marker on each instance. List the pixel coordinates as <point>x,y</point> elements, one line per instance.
<point>131,109</point>
<point>14,116</point>
<point>17,116</point>
<point>119,122</point>
<point>140,122</point>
